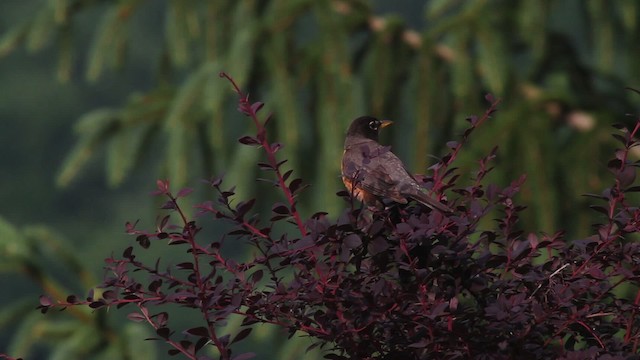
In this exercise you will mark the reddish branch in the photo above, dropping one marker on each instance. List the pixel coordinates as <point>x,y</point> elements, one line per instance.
<point>251,111</point>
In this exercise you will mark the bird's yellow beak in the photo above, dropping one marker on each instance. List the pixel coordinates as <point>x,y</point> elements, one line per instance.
<point>386,123</point>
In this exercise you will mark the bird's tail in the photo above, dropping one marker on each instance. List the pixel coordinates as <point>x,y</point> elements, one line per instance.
<point>425,200</point>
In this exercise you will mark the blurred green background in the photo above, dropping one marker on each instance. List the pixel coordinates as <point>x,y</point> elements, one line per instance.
<point>98,98</point>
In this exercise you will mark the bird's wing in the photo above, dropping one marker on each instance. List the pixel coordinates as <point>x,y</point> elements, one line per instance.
<point>376,171</point>
<point>377,181</point>
<point>386,176</point>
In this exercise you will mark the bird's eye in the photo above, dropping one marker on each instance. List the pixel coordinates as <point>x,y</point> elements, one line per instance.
<point>373,125</point>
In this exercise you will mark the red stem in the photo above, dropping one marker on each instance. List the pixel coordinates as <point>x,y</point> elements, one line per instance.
<point>612,203</point>
<point>246,107</point>
<point>176,345</point>
<point>439,172</point>
<point>593,333</point>
<point>195,249</point>
<point>627,335</point>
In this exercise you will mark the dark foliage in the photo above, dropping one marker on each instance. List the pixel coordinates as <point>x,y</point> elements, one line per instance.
<point>404,282</point>
<point>7,357</point>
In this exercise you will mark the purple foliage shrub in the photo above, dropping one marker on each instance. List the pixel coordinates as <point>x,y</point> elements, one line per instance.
<point>412,283</point>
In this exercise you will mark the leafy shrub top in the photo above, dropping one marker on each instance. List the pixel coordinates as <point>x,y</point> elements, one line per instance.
<point>404,282</point>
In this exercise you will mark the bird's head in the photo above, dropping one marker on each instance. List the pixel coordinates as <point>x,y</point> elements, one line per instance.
<point>367,127</point>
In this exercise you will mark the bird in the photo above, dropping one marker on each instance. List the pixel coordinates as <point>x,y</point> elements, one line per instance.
<point>371,172</point>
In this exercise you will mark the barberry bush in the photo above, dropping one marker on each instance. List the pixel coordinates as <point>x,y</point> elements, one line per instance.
<point>403,282</point>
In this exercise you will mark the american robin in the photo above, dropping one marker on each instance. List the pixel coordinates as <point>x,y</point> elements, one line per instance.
<point>371,172</point>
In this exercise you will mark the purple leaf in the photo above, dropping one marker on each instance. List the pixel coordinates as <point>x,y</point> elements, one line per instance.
<point>45,300</point>
<point>185,266</point>
<point>200,344</point>
<point>452,144</point>
<point>627,176</point>
<point>265,166</point>
<point>128,253</point>
<point>169,205</point>
<point>161,318</point>
<point>244,207</point>
<point>614,164</point>
<point>110,295</point>
<point>286,175</point>
<point>155,285</point>
<point>596,196</point>
<point>600,209</point>
<point>256,106</point>
<point>164,333</point>
<point>164,221</point>
<point>352,241</point>
<point>241,335</point>
<point>249,140</point>
<point>136,317</point>
<point>294,185</point>
<point>97,304</point>
<point>198,331</point>
<point>184,192</point>
<point>144,241</point>
<point>280,209</point>
<point>162,187</point>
